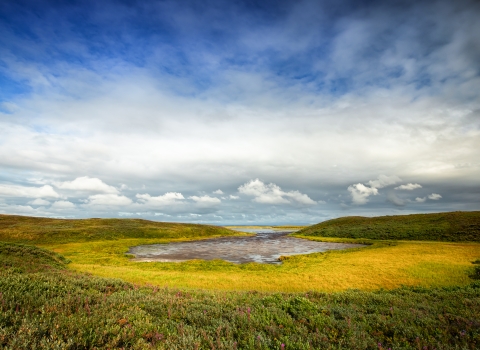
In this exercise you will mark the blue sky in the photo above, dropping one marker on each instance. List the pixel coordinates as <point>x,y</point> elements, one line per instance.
<point>296,111</point>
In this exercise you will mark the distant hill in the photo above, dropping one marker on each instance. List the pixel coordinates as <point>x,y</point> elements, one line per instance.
<point>26,229</point>
<point>450,227</point>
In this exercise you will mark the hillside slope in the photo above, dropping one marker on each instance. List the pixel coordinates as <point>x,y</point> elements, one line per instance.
<point>27,229</point>
<point>449,227</point>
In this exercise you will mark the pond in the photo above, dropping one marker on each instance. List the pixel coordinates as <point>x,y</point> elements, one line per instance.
<point>265,247</point>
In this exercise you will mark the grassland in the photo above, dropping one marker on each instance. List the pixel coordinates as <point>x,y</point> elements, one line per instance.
<point>381,265</point>
<point>446,227</point>
<point>25,229</point>
<point>44,305</point>
<point>98,246</point>
<point>55,294</point>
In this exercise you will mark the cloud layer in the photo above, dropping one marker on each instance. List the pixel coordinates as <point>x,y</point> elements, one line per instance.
<point>273,194</point>
<point>173,112</point>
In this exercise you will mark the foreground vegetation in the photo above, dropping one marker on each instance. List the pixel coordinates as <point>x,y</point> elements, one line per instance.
<point>44,305</point>
<point>447,227</point>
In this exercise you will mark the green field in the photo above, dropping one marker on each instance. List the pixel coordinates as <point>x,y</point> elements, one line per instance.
<point>447,227</point>
<point>69,284</point>
<point>25,229</point>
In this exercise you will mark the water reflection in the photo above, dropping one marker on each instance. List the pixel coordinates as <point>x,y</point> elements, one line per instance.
<point>264,247</point>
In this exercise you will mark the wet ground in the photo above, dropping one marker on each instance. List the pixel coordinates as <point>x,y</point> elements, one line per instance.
<point>265,247</point>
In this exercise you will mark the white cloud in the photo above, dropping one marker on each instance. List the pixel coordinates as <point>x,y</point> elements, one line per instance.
<point>233,197</point>
<point>108,200</point>
<point>218,192</point>
<point>205,203</point>
<point>87,184</point>
<point>386,122</point>
<point>46,191</point>
<point>300,198</point>
<point>268,194</point>
<point>408,187</point>
<point>421,200</point>
<point>360,193</point>
<point>273,194</point>
<point>434,196</point>
<point>17,209</point>
<point>62,205</point>
<point>168,198</point>
<point>205,199</point>
<point>39,201</point>
<point>383,181</point>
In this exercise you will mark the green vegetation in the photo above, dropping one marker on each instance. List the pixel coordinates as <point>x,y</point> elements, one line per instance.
<point>381,265</point>
<point>60,294</point>
<point>44,305</point>
<point>25,258</point>
<point>476,271</point>
<point>98,246</point>
<point>27,229</point>
<point>446,227</point>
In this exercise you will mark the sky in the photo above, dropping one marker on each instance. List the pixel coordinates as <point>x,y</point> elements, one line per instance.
<point>239,112</point>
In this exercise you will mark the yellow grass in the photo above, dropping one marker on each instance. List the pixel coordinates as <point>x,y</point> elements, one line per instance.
<point>382,265</point>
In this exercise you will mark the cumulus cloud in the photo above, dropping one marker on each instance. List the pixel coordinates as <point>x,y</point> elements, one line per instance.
<point>108,200</point>
<point>87,184</point>
<point>17,209</point>
<point>434,196</point>
<point>361,192</point>
<point>205,200</point>
<point>233,197</point>
<point>218,192</point>
<point>420,199</point>
<point>383,181</point>
<point>39,201</point>
<point>168,198</point>
<point>62,205</point>
<point>408,187</point>
<point>385,96</point>
<point>273,194</point>
<point>45,191</point>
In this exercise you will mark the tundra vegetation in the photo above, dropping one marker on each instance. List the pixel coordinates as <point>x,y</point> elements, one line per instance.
<point>403,291</point>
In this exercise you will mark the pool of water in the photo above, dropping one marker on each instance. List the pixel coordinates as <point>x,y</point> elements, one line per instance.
<point>264,247</point>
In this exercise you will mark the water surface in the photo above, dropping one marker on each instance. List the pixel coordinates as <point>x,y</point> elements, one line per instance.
<point>264,247</point>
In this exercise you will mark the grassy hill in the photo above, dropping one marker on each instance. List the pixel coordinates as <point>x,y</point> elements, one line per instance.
<point>26,258</point>
<point>448,227</point>
<point>26,229</point>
